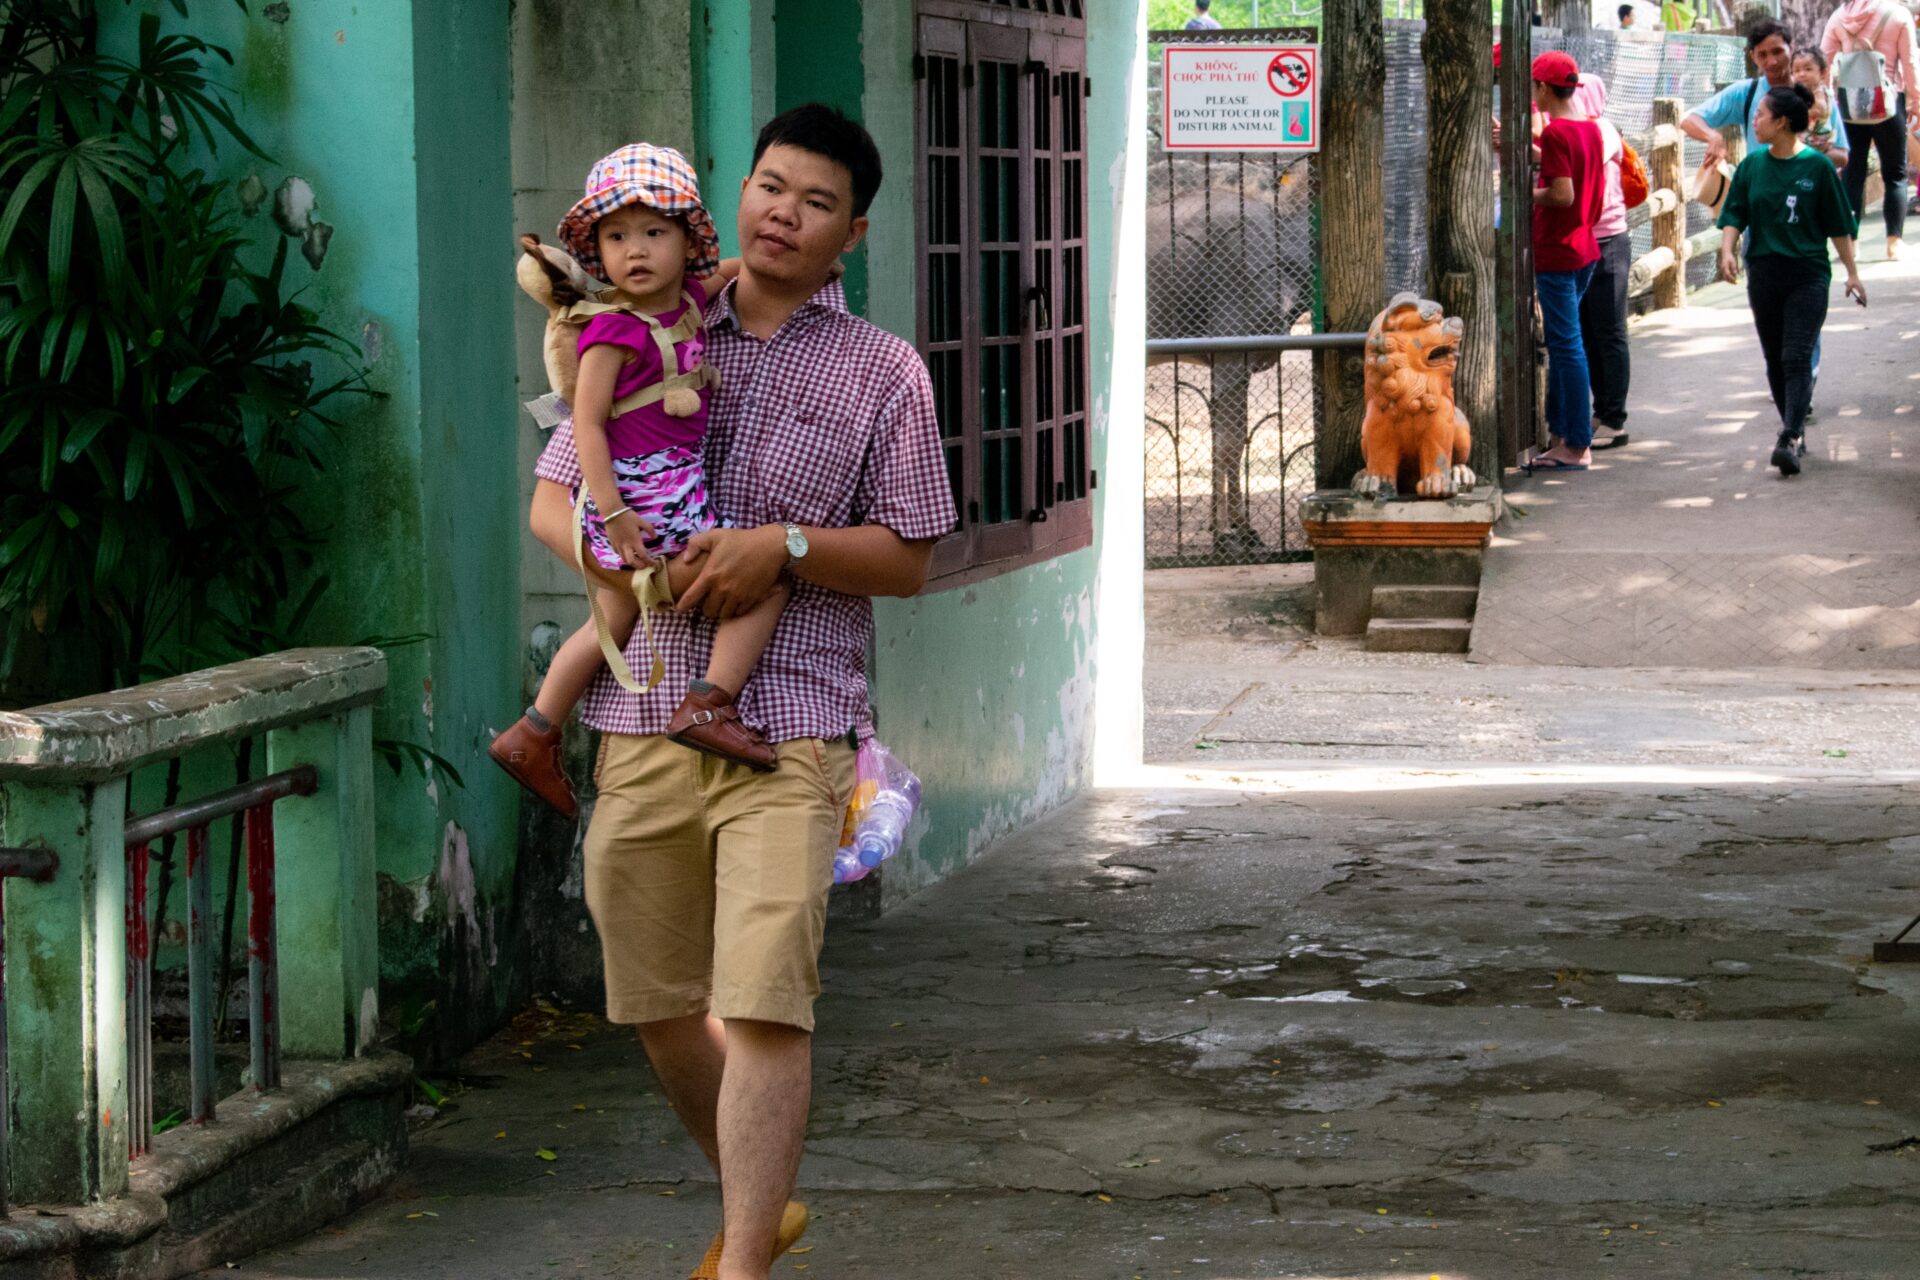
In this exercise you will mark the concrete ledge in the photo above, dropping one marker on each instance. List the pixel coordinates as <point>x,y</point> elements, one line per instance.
<point>270,1168</point>
<point>1340,518</point>
<point>103,736</point>
<point>1361,543</point>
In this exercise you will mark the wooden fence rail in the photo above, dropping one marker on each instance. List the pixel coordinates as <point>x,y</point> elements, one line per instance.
<point>1663,269</point>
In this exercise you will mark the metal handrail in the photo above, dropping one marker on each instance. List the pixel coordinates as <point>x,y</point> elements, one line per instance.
<point>301,780</point>
<point>1254,342</point>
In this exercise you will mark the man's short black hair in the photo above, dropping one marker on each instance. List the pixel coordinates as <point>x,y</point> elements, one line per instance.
<point>1564,92</point>
<point>1626,11</point>
<point>1201,6</point>
<point>819,128</point>
<point>1763,29</point>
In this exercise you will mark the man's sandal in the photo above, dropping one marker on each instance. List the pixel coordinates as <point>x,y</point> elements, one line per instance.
<point>793,1225</point>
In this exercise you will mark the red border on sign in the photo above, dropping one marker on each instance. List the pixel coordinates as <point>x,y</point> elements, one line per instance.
<point>1310,52</point>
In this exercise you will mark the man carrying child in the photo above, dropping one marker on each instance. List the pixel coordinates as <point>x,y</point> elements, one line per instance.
<point>708,880</point>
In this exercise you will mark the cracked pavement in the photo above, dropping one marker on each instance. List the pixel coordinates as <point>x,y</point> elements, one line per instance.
<point>1327,1017</point>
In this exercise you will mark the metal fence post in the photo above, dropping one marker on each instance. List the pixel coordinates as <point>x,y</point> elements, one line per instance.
<point>324,864</point>
<point>66,998</point>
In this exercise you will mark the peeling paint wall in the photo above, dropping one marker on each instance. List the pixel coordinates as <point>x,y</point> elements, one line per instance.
<point>585,80</point>
<point>988,691</point>
<point>388,124</point>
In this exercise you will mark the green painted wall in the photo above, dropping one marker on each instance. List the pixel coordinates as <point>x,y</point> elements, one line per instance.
<point>395,114</point>
<point>733,85</point>
<point>753,59</point>
<point>472,506</point>
<point>988,690</point>
<point>818,42</point>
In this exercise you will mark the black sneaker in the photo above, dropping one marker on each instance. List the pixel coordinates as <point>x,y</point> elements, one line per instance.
<point>1784,455</point>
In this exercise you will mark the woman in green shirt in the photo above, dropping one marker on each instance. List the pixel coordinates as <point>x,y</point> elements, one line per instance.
<point>1789,202</point>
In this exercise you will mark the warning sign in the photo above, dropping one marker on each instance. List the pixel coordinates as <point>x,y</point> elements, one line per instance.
<point>1241,98</point>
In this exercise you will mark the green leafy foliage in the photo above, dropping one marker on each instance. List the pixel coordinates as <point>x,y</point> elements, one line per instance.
<point>159,407</point>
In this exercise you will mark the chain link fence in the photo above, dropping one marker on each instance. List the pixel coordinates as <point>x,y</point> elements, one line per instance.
<point>1230,238</point>
<point>1635,66</point>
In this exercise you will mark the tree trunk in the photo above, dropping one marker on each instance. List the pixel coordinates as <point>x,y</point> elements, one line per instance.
<point>1458,50</point>
<point>1568,15</point>
<point>1228,413</point>
<point>1806,20</point>
<point>1353,262</point>
<point>1513,266</point>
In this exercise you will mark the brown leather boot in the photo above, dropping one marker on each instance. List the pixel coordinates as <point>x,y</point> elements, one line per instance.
<point>706,721</point>
<point>533,758</point>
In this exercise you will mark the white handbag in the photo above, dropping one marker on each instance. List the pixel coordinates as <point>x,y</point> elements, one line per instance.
<point>1866,91</point>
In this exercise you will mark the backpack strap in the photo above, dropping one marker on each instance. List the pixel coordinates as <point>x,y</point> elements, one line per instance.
<point>1753,91</point>
<point>665,339</point>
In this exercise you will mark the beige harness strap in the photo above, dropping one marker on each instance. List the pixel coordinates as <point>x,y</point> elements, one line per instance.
<point>665,338</point>
<point>649,587</point>
<point>704,376</point>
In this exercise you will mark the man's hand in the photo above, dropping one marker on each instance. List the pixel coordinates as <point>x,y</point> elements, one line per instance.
<point>738,568</point>
<point>1717,148</point>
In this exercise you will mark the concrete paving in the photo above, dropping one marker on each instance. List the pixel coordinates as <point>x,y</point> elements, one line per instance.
<point>1357,991</point>
<point>1685,549</point>
<point>1384,966</point>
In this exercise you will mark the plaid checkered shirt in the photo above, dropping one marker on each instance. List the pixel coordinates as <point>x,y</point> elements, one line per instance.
<point>829,423</point>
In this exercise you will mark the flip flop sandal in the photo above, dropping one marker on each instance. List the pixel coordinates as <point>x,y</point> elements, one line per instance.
<point>1614,441</point>
<point>1552,464</point>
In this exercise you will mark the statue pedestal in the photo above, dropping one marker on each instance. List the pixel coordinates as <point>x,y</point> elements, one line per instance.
<point>1359,544</point>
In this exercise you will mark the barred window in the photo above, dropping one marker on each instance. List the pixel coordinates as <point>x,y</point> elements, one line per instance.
<point>1002,233</point>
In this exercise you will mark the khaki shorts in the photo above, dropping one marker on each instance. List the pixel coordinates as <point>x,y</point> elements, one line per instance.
<point>708,882</point>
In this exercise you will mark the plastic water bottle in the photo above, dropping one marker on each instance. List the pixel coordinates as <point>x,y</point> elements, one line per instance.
<point>883,809</point>
<point>879,835</point>
<point>847,867</point>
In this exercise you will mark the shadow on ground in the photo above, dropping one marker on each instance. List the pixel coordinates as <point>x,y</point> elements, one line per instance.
<point>1252,1032</point>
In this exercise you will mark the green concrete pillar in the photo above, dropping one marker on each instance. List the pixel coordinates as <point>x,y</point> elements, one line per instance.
<point>733,59</point>
<point>324,863</point>
<point>66,993</point>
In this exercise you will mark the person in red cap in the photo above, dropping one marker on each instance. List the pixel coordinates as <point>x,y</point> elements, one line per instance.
<point>1566,206</point>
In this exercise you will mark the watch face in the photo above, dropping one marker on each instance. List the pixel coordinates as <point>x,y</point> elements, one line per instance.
<point>796,543</point>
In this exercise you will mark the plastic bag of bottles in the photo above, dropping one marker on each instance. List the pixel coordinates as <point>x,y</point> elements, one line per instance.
<point>885,796</point>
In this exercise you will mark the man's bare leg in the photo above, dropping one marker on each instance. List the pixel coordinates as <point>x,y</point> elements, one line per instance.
<point>689,1056</point>
<point>763,1125</point>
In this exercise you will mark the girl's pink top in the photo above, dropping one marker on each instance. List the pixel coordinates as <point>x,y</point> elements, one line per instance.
<point>1853,24</point>
<point>650,428</point>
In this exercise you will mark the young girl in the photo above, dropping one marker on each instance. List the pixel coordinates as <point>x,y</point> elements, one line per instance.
<point>642,228</point>
<point>1810,69</point>
<point>1789,200</point>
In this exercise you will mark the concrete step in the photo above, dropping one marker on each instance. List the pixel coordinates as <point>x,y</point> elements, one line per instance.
<point>1418,635</point>
<point>1424,602</point>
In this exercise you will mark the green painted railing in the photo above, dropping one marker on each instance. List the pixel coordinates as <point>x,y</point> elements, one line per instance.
<point>66,914</point>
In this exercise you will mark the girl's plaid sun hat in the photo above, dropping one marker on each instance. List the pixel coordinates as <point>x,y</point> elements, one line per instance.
<point>641,173</point>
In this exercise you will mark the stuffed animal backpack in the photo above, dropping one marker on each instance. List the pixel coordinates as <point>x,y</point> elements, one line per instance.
<point>551,277</point>
<point>1861,81</point>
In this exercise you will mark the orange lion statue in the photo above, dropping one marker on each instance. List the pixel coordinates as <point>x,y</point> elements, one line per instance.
<point>1415,441</point>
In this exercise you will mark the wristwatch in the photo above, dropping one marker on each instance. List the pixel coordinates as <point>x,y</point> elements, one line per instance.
<point>796,545</point>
